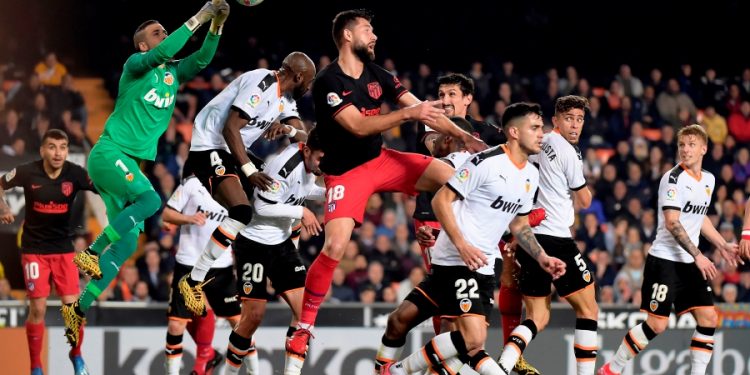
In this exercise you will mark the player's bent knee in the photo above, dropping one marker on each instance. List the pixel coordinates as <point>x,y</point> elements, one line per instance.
<point>151,201</point>
<point>657,324</point>
<point>242,213</point>
<point>335,249</point>
<point>707,318</point>
<point>397,327</point>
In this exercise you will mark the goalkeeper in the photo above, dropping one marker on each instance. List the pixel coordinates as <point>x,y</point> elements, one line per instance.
<point>144,106</point>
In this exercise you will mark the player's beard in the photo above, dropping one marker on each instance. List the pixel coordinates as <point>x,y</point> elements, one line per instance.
<point>364,53</point>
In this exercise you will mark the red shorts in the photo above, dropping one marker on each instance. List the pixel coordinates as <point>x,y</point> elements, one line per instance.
<point>348,193</point>
<point>435,225</point>
<point>38,269</point>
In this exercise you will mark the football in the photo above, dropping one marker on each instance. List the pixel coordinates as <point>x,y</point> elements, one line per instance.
<point>249,3</point>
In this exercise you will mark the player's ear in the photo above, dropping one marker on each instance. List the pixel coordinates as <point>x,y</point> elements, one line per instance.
<point>142,46</point>
<point>348,34</point>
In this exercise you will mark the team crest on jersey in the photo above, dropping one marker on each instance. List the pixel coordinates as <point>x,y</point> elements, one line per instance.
<point>586,276</point>
<point>220,170</point>
<point>671,193</point>
<point>281,107</point>
<point>129,176</point>
<point>168,78</point>
<point>333,99</point>
<point>10,175</point>
<point>465,305</point>
<point>275,186</point>
<point>247,287</point>
<point>254,100</point>
<point>30,286</point>
<point>528,185</point>
<point>396,82</point>
<point>374,89</point>
<point>653,305</point>
<point>331,206</point>
<point>67,188</point>
<point>463,175</point>
<point>708,190</point>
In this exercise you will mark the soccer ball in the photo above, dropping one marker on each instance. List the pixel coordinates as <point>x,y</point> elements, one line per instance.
<point>249,3</point>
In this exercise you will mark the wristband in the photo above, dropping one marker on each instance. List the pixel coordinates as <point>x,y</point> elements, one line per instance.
<point>292,132</point>
<point>193,24</point>
<point>746,234</point>
<point>218,30</point>
<point>248,169</point>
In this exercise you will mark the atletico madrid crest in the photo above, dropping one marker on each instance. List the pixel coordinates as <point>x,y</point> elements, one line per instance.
<point>374,89</point>
<point>67,188</point>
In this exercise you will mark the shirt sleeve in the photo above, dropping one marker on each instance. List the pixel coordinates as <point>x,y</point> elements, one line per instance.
<point>83,180</point>
<point>468,177</point>
<point>289,110</point>
<point>318,193</point>
<point>330,95</point>
<point>670,198</point>
<point>141,62</point>
<point>574,170</point>
<point>179,198</point>
<point>391,84</point>
<point>249,99</point>
<point>16,177</point>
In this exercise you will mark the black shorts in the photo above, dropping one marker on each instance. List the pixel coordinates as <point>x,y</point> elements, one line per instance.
<point>666,282</point>
<point>212,167</point>
<point>221,293</point>
<point>535,282</point>
<point>257,262</point>
<point>452,291</point>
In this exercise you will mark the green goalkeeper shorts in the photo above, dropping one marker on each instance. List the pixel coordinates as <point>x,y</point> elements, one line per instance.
<point>117,177</point>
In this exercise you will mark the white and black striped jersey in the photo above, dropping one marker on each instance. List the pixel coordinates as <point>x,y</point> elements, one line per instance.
<point>277,209</point>
<point>257,96</point>
<point>188,199</point>
<point>679,189</point>
<point>492,190</point>
<point>560,171</point>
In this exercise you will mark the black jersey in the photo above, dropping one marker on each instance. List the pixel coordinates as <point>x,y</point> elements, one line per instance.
<point>333,91</point>
<point>47,226</point>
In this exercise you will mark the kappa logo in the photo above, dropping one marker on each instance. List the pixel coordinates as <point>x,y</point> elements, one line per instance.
<point>653,305</point>
<point>247,287</point>
<point>586,276</point>
<point>465,305</point>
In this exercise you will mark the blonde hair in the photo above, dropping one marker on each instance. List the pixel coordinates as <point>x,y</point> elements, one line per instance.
<point>695,130</point>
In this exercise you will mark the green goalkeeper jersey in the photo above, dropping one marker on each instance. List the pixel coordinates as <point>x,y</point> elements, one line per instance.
<point>146,93</point>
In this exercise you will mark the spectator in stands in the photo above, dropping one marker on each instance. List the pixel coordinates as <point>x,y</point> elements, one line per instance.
<point>744,287</point>
<point>75,131</point>
<point>383,253</point>
<point>5,290</point>
<point>729,293</point>
<point>152,272</point>
<point>368,295</point>
<point>50,70</point>
<point>671,101</point>
<point>359,274</point>
<point>712,90</point>
<point>416,275</point>
<point>604,270</point>
<point>647,226</point>
<point>591,234</point>
<point>376,280</point>
<point>72,100</point>
<point>35,137</point>
<point>3,104</point>
<point>667,142</point>
<point>23,100</point>
<point>340,292</point>
<point>615,205</point>
<point>631,85</point>
<point>13,139</point>
<point>739,123</point>
<point>141,293</point>
<point>733,101</point>
<point>607,295</point>
<point>741,166</point>
<point>125,284</point>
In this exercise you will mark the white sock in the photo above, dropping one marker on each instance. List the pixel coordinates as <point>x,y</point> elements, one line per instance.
<point>228,229</point>
<point>585,346</point>
<point>440,348</point>
<point>388,352</point>
<point>635,340</point>
<point>516,344</point>
<point>172,364</point>
<point>701,349</point>
<point>230,369</point>
<point>484,365</point>
<point>251,361</point>
<point>293,364</point>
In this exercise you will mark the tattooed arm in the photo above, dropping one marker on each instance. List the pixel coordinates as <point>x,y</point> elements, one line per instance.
<point>672,222</point>
<point>526,239</point>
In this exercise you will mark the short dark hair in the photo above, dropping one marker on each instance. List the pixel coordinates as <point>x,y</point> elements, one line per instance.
<point>313,140</point>
<point>518,110</point>
<point>465,83</point>
<point>55,134</point>
<point>566,103</point>
<point>344,20</point>
<point>139,29</point>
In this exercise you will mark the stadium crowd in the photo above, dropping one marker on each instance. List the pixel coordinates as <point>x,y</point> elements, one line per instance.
<point>628,143</point>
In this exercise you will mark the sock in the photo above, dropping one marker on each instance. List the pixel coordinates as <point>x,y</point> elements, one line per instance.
<point>251,360</point>
<point>144,206</point>
<point>35,337</point>
<point>483,364</point>
<point>204,335</point>
<point>293,362</point>
<point>440,348</point>
<point>318,282</point>
<point>701,349</point>
<point>517,342</point>
<point>389,351</point>
<point>635,340</point>
<point>173,353</point>
<point>110,263</point>
<point>221,238</point>
<point>236,352</point>
<point>74,352</point>
<point>585,346</point>
<point>510,305</point>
